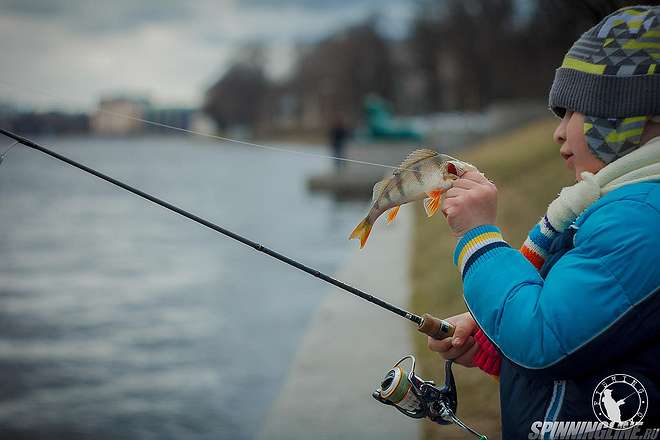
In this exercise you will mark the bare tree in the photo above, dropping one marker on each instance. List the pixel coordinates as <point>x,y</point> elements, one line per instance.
<point>236,98</point>
<point>335,75</point>
<point>475,52</point>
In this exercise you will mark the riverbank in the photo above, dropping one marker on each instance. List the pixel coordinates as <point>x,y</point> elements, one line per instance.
<point>348,347</point>
<point>528,172</point>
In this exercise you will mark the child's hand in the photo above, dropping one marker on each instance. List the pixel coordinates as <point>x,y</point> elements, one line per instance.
<point>461,347</point>
<point>470,202</point>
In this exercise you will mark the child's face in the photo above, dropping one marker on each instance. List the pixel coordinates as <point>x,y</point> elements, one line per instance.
<point>574,150</point>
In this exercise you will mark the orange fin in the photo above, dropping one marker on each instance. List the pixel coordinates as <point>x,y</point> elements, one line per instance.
<point>362,232</point>
<point>391,215</point>
<point>432,203</point>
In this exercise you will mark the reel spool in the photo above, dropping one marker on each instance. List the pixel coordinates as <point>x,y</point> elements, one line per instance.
<point>397,389</point>
<point>417,398</point>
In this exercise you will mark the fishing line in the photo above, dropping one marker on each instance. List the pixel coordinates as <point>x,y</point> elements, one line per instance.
<point>212,136</point>
<point>438,404</point>
<point>2,156</point>
<point>426,323</point>
<point>422,322</point>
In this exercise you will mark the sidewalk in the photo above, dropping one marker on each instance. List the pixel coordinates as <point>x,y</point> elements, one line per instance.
<point>348,348</point>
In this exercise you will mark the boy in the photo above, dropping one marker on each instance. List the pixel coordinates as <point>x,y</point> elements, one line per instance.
<point>581,301</point>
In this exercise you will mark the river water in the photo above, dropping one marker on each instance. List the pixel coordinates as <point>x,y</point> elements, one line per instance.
<point>119,319</point>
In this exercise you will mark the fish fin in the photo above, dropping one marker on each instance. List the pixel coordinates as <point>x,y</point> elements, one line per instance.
<point>378,188</point>
<point>415,157</point>
<point>432,203</point>
<point>430,206</point>
<point>362,232</point>
<point>391,215</point>
<point>447,158</point>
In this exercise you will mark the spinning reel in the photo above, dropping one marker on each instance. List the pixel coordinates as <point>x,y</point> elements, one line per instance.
<point>418,398</point>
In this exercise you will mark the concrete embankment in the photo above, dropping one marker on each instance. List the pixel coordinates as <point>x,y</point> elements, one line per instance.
<point>347,349</point>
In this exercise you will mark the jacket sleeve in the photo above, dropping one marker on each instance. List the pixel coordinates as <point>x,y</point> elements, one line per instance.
<point>594,288</point>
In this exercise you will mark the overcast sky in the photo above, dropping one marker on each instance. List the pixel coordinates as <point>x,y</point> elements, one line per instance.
<point>67,53</point>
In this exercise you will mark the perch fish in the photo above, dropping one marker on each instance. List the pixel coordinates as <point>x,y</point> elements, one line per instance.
<point>425,174</point>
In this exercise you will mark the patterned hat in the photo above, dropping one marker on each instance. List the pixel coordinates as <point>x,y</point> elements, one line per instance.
<point>611,74</point>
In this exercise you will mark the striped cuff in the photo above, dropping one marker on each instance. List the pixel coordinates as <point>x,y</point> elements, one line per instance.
<point>476,243</point>
<point>538,242</point>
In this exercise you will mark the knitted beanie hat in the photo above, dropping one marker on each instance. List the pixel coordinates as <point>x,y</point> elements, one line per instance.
<point>612,76</point>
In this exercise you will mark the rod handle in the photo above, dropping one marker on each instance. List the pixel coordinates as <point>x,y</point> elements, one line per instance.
<point>435,328</point>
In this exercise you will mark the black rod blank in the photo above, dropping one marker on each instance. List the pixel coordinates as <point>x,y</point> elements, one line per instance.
<point>372,299</point>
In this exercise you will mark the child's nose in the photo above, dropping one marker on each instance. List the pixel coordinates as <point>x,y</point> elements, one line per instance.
<point>559,136</point>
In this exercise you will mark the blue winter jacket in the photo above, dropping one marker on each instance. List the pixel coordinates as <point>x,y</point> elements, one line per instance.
<point>595,313</point>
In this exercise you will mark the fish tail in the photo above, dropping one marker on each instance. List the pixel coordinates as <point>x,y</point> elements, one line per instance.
<point>362,232</point>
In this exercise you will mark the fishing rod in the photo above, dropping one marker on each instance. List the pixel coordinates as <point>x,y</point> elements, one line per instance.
<point>401,387</point>
<point>426,323</point>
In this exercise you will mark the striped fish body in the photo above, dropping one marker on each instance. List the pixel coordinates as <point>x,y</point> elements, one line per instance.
<point>424,174</point>
<point>409,185</point>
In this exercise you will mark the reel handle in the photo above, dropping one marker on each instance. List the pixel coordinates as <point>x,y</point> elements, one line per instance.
<point>435,327</point>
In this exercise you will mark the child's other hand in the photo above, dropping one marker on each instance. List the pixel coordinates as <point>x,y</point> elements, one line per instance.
<point>461,347</point>
<point>470,202</point>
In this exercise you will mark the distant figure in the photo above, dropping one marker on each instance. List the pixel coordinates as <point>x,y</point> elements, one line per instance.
<point>612,406</point>
<point>338,135</point>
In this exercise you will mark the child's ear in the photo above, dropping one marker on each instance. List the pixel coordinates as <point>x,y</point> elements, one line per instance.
<point>651,129</point>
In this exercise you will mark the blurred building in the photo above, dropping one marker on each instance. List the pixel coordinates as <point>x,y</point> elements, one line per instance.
<point>30,122</point>
<point>50,123</point>
<point>122,115</point>
<point>119,116</point>
<point>170,117</point>
<point>185,118</point>
<point>202,123</point>
<point>7,112</point>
